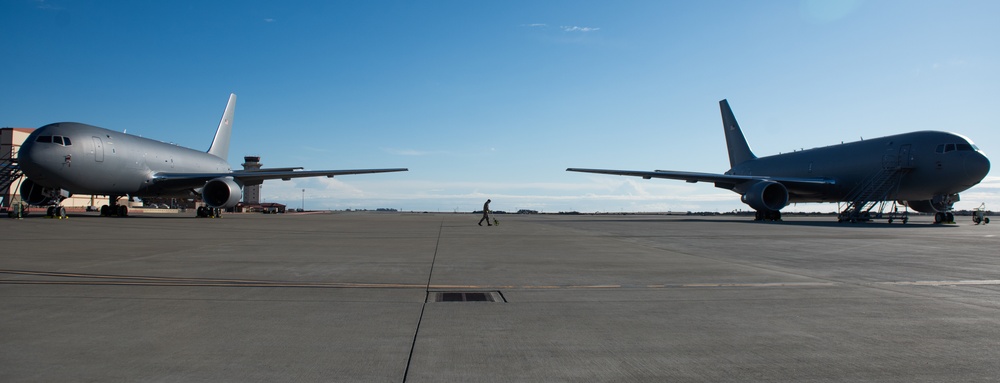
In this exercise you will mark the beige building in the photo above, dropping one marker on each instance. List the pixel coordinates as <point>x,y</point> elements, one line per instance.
<point>10,178</point>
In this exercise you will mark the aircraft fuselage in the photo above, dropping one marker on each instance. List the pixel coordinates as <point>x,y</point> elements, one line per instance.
<point>65,158</point>
<point>87,159</point>
<point>933,162</point>
<point>925,170</point>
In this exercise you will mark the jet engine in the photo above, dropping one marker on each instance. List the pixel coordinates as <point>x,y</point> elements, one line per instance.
<point>940,203</point>
<point>222,192</point>
<point>38,195</point>
<point>766,196</point>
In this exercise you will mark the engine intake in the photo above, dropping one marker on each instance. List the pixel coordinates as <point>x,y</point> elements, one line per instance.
<point>940,203</point>
<point>766,196</point>
<point>222,192</point>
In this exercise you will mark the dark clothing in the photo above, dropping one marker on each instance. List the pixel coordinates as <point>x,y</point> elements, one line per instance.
<point>486,214</point>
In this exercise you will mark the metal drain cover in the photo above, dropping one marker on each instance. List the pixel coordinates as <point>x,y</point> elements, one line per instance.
<point>465,296</point>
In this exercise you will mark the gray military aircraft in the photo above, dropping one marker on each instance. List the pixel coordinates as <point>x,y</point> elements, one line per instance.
<point>67,157</point>
<point>923,170</point>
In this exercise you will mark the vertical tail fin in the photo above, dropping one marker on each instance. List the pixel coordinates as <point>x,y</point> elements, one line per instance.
<point>739,150</point>
<point>220,145</point>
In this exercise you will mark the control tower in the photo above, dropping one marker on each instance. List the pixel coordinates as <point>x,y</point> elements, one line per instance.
<point>251,193</point>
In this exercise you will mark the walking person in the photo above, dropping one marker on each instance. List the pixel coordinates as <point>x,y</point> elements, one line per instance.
<point>486,214</point>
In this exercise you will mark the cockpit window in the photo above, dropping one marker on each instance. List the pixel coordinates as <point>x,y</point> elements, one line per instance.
<point>54,140</point>
<point>945,148</point>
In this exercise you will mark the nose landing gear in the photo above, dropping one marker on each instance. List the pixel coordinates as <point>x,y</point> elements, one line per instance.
<point>56,212</point>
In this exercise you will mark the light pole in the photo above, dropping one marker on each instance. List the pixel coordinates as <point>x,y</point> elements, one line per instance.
<point>303,200</point>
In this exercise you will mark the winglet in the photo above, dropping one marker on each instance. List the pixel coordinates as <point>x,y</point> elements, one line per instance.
<point>739,150</point>
<point>220,145</point>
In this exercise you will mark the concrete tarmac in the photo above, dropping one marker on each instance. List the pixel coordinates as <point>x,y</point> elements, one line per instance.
<point>352,297</point>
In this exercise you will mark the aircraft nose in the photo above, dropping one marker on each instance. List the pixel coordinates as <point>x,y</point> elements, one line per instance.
<point>977,166</point>
<point>27,157</point>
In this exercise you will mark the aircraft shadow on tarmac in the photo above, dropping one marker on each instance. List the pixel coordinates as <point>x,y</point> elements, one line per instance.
<point>819,222</point>
<point>41,215</point>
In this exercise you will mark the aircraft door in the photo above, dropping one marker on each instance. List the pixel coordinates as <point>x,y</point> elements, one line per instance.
<point>905,160</point>
<point>98,149</point>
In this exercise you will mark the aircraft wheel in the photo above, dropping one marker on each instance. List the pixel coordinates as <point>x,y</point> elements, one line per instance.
<point>986,220</point>
<point>939,217</point>
<point>49,212</point>
<point>61,212</point>
<point>105,211</point>
<point>123,211</point>
<point>950,217</point>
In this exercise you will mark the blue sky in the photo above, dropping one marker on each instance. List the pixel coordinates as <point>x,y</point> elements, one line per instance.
<point>495,99</point>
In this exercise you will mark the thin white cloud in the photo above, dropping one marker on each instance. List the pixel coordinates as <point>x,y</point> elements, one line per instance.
<point>578,29</point>
<point>410,152</point>
<point>536,25</point>
<point>590,194</point>
<point>585,196</point>
<point>941,66</point>
<point>45,5</point>
<point>268,20</point>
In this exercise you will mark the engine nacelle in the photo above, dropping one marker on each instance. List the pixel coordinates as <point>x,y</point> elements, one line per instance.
<point>940,203</point>
<point>222,192</point>
<point>766,196</point>
<point>38,195</point>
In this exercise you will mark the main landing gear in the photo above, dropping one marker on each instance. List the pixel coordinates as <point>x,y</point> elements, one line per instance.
<point>113,209</point>
<point>767,215</point>
<point>209,212</point>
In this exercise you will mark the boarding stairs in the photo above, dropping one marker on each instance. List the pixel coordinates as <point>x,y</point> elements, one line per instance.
<point>876,191</point>
<point>9,173</point>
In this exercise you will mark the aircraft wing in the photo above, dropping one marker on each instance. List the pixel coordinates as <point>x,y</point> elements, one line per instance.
<point>258,176</point>
<point>693,177</point>
<point>253,177</point>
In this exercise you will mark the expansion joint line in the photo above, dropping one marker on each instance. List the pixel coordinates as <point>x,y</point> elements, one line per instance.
<point>427,290</point>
